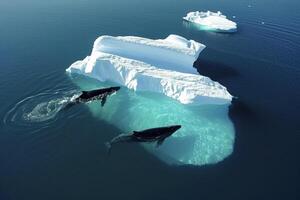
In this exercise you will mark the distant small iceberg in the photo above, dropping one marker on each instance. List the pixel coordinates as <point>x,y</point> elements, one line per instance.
<point>211,21</point>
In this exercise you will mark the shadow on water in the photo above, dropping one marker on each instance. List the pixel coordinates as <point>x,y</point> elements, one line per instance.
<point>260,150</point>
<point>216,71</point>
<point>207,65</point>
<point>240,109</point>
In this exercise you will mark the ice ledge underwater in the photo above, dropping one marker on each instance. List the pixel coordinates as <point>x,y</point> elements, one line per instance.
<point>164,89</point>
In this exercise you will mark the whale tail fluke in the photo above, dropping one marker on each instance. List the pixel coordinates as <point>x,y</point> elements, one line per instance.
<point>108,147</point>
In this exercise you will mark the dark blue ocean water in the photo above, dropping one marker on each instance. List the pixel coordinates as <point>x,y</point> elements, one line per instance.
<point>64,158</point>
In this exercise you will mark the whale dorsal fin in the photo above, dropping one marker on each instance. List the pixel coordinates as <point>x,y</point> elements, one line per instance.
<point>160,142</point>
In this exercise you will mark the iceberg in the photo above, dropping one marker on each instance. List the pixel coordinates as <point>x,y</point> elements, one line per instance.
<point>145,65</point>
<point>211,21</point>
<point>174,52</point>
<point>163,89</point>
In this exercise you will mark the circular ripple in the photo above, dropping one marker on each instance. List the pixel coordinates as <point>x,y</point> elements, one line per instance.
<point>39,111</point>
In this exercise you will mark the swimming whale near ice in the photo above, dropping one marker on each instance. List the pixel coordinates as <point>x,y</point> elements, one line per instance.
<point>162,66</point>
<point>98,94</point>
<point>149,135</point>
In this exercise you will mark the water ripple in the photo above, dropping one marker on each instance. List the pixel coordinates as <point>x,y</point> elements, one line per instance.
<point>38,111</point>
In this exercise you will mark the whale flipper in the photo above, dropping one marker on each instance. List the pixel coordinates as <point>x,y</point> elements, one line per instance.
<point>103,100</point>
<point>160,142</point>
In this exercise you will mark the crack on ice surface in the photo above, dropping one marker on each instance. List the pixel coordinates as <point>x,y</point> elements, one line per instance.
<point>157,70</point>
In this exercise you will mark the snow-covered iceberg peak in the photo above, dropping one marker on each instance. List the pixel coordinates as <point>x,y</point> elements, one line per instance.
<point>184,87</point>
<point>174,52</point>
<point>212,21</point>
<point>152,65</point>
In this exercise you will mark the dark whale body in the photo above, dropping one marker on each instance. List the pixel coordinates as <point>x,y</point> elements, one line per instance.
<point>99,94</point>
<point>149,135</point>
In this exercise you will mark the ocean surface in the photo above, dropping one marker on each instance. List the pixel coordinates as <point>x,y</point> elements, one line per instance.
<point>46,154</point>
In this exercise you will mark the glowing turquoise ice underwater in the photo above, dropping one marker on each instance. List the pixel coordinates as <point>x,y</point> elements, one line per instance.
<point>207,133</point>
<point>198,27</point>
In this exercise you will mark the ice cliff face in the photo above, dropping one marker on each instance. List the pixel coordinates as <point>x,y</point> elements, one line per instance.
<point>164,66</point>
<point>211,21</point>
<point>174,52</point>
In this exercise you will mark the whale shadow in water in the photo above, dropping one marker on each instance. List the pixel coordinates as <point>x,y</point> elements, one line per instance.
<point>240,108</point>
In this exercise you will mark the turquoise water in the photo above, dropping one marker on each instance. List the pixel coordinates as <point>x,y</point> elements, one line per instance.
<point>206,139</point>
<point>48,154</point>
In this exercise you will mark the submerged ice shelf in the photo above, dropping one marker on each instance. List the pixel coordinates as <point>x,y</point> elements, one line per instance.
<point>157,70</point>
<point>211,21</point>
<point>207,133</point>
<point>152,65</point>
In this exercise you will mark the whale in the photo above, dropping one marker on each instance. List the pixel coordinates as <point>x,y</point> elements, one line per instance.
<point>151,135</point>
<point>99,94</point>
<point>92,95</point>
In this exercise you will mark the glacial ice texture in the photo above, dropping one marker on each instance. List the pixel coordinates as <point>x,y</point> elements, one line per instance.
<point>211,21</point>
<point>174,52</point>
<point>163,66</point>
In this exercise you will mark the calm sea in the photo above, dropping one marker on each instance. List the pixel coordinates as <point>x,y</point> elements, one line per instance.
<point>64,158</point>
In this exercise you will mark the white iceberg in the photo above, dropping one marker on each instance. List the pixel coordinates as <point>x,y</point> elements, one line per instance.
<point>145,65</point>
<point>165,69</point>
<point>211,21</point>
<point>174,52</point>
